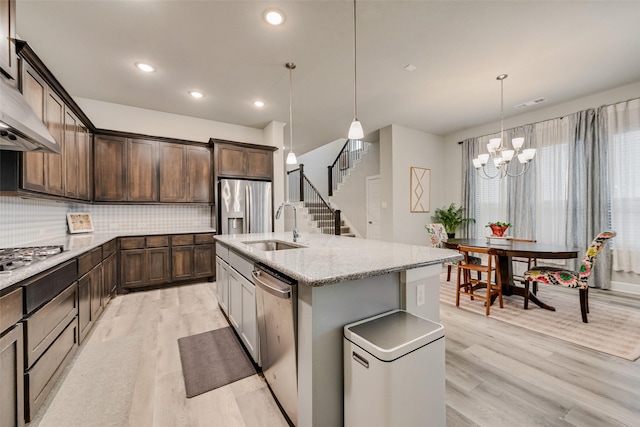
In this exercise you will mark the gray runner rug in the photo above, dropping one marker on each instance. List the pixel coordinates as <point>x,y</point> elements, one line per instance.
<point>212,359</point>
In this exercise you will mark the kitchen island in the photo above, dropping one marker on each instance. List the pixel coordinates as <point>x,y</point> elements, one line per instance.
<point>342,280</point>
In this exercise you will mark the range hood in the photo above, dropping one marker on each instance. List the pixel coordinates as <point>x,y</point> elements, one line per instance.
<point>20,128</point>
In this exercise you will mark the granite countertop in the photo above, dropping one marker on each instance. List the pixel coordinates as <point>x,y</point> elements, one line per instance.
<point>76,245</point>
<point>328,259</point>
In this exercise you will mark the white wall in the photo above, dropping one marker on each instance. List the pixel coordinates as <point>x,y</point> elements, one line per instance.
<point>274,136</point>
<point>400,149</point>
<point>316,162</point>
<point>351,197</point>
<point>106,115</point>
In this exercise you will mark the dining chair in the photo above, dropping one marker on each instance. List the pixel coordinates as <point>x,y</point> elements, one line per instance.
<point>469,285</point>
<point>530,262</point>
<point>573,279</point>
<point>438,235</point>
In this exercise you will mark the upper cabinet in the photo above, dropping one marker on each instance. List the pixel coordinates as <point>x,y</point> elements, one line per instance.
<point>185,173</point>
<point>8,60</point>
<point>144,170</point>
<point>125,169</point>
<point>66,175</point>
<point>236,160</point>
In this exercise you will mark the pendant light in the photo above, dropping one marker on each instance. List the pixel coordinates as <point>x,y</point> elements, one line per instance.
<point>291,157</point>
<point>355,130</point>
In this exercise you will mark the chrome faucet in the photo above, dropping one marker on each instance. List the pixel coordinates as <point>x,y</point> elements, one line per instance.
<point>295,218</point>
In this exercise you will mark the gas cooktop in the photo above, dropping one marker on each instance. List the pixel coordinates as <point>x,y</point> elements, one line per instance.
<point>15,258</point>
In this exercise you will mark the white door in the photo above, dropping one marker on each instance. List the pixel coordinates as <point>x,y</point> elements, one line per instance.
<point>373,207</point>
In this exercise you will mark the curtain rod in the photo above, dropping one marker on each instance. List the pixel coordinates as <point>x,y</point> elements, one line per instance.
<point>555,118</point>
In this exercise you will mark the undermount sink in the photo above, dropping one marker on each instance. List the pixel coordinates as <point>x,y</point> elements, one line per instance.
<point>272,245</point>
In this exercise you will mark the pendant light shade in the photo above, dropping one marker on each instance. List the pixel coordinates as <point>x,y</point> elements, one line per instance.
<point>355,130</point>
<point>291,157</point>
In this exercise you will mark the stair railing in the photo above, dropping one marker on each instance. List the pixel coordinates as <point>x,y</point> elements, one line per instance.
<point>351,151</point>
<point>301,189</point>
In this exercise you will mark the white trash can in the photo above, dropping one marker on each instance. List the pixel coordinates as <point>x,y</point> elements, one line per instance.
<point>394,372</point>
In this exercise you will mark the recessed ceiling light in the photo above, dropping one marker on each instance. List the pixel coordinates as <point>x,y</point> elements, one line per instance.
<point>273,16</point>
<point>196,94</point>
<point>410,67</point>
<point>145,67</point>
<point>258,103</point>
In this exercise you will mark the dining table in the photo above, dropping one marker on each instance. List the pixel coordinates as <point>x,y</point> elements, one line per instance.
<point>505,249</point>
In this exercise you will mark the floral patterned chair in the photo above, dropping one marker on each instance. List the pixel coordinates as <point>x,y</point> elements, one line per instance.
<point>573,279</point>
<point>438,235</point>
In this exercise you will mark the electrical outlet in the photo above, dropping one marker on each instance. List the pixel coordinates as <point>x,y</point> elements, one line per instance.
<point>420,295</point>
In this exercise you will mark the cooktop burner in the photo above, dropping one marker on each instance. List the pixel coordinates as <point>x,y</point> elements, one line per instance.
<point>14,258</point>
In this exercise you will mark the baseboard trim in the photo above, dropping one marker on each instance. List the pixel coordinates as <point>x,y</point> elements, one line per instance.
<point>629,288</point>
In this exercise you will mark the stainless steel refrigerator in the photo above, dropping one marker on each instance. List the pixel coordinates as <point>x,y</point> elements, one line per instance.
<point>245,206</point>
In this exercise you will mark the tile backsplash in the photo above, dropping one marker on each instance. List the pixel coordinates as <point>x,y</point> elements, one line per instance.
<point>27,220</point>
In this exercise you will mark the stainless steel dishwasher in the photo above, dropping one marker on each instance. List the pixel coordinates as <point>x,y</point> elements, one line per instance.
<point>277,307</point>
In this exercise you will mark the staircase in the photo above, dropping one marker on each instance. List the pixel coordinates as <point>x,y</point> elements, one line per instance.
<point>321,220</point>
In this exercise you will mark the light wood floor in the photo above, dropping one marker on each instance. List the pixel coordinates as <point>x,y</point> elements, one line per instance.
<point>497,374</point>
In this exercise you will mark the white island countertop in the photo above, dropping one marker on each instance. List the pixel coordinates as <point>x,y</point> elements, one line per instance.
<point>327,259</point>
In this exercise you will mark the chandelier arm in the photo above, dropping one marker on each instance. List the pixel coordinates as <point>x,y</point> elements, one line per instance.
<point>486,175</point>
<point>524,170</point>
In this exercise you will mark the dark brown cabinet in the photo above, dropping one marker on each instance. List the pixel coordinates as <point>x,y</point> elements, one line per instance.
<point>192,256</point>
<point>12,384</point>
<point>243,161</point>
<point>109,168</point>
<point>44,172</point>
<point>8,60</point>
<point>125,169</point>
<point>144,261</point>
<point>185,173</point>
<point>109,277</point>
<point>90,290</point>
<point>11,360</point>
<point>77,157</point>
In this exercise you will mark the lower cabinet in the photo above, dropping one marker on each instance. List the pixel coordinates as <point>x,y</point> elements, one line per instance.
<point>11,360</point>
<point>222,284</point>
<point>242,303</point>
<point>192,256</point>
<point>90,301</point>
<point>144,261</point>
<point>11,372</point>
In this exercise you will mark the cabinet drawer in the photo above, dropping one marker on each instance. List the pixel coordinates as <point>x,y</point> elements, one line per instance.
<point>40,379</point>
<point>204,239</point>
<point>43,287</point>
<point>222,251</point>
<point>241,264</point>
<point>42,328</point>
<point>108,248</point>
<point>10,309</point>
<point>89,260</point>
<point>157,241</point>
<point>182,240</point>
<point>132,243</point>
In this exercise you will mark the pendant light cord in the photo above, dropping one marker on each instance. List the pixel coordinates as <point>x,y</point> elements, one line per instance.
<point>355,64</point>
<point>502,112</point>
<point>291,66</point>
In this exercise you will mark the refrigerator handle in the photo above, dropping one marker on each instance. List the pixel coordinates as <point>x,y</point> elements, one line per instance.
<point>250,210</point>
<point>247,209</point>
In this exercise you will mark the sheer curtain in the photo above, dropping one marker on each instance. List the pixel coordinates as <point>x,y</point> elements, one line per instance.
<point>623,132</point>
<point>562,199</point>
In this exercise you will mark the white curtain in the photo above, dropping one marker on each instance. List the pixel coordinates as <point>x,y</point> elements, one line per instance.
<point>624,135</point>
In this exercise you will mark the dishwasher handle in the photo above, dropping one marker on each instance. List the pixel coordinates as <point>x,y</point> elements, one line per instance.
<point>271,285</point>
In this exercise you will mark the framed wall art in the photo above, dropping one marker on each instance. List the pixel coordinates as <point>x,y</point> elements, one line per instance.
<point>79,222</point>
<point>420,189</point>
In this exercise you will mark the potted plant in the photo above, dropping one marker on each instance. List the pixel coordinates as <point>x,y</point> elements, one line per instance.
<point>451,217</point>
<point>498,228</point>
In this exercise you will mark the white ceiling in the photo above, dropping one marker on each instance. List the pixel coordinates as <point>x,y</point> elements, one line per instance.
<point>560,50</point>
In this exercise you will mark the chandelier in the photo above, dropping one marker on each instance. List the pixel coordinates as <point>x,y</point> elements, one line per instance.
<point>502,157</point>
